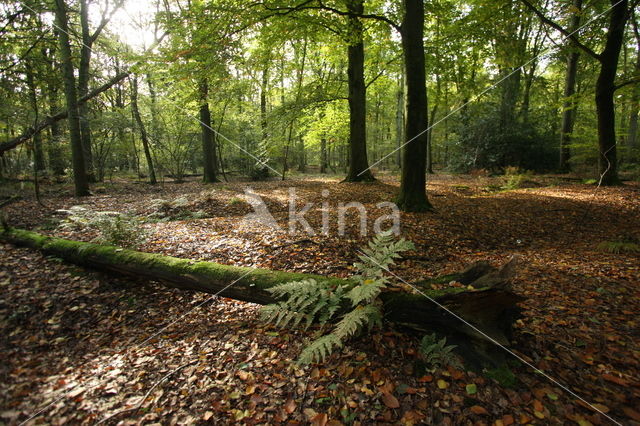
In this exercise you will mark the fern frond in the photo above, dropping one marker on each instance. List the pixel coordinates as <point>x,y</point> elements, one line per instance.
<point>319,349</point>
<point>353,322</point>
<point>367,291</point>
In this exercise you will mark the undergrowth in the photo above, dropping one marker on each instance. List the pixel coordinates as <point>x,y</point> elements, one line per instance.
<point>355,307</point>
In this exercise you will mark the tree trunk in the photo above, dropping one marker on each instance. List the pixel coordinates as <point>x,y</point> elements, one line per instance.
<point>83,89</point>
<point>38,153</point>
<point>54,148</point>
<point>323,155</point>
<point>605,89</point>
<point>263,102</point>
<point>358,163</point>
<point>570,105</point>
<point>400,121</point>
<point>632,136</point>
<point>432,120</point>
<point>143,132</point>
<point>491,308</point>
<point>77,156</point>
<point>208,136</point>
<point>413,195</point>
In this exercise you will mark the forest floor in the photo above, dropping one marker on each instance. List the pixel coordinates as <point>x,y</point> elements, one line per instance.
<point>80,347</point>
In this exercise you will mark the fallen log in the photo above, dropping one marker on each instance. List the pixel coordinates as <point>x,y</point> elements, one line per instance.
<point>492,309</point>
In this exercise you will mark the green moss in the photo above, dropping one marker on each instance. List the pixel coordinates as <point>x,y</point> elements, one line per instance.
<point>503,375</point>
<point>442,279</point>
<point>94,254</point>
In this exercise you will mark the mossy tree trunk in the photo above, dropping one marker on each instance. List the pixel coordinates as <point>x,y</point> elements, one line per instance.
<point>491,308</point>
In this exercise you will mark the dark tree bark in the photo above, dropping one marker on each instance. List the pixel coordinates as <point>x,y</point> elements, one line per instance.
<point>605,89</point>
<point>413,195</point>
<point>141,128</point>
<point>208,136</point>
<point>358,163</point>
<point>80,180</point>
<point>569,106</point>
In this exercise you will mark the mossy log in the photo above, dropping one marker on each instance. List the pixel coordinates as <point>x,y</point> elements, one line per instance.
<point>491,309</point>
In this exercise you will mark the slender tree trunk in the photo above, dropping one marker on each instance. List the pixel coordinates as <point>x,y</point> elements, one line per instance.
<point>632,137</point>
<point>605,89</point>
<point>569,107</point>
<point>323,155</point>
<point>143,131</point>
<point>400,121</point>
<point>358,163</point>
<point>83,89</point>
<point>413,195</point>
<point>432,120</point>
<point>38,154</point>
<point>54,148</point>
<point>77,156</point>
<point>263,102</point>
<point>208,136</point>
<point>155,127</point>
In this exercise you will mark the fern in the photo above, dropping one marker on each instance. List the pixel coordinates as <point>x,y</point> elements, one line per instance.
<point>309,301</point>
<point>306,300</point>
<point>381,253</point>
<point>319,349</point>
<point>436,352</point>
<point>353,322</point>
<point>367,291</point>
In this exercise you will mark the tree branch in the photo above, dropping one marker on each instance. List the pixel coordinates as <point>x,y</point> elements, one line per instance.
<point>632,80</point>
<point>40,126</point>
<point>322,6</point>
<point>567,34</point>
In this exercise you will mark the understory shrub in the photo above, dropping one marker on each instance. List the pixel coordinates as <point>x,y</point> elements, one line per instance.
<point>112,227</point>
<point>164,210</point>
<point>515,178</point>
<point>624,244</point>
<point>484,142</point>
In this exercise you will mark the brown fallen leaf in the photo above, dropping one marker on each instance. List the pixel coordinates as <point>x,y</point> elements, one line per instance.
<point>320,419</point>
<point>290,406</point>
<point>508,419</point>
<point>476,409</point>
<point>390,400</point>
<point>537,406</point>
<point>614,379</point>
<point>630,412</point>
